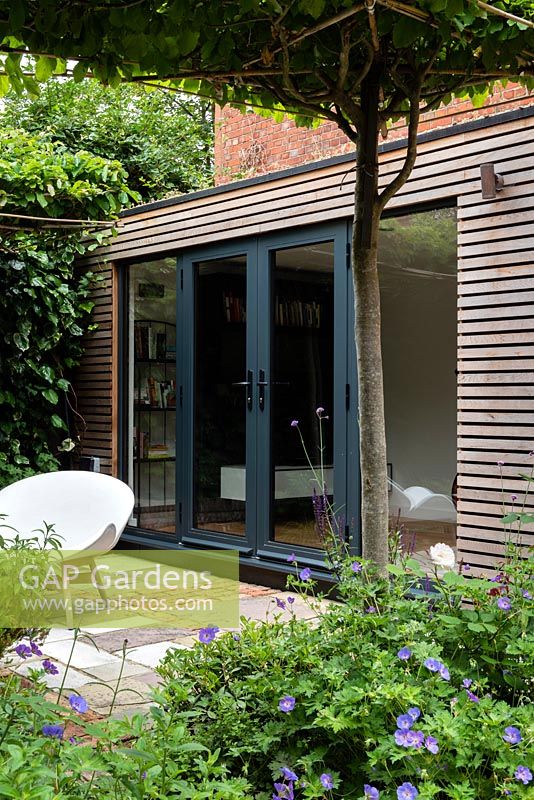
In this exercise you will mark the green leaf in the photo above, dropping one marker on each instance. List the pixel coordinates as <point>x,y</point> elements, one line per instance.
<point>406,32</point>
<point>5,85</point>
<point>51,395</point>
<point>57,422</point>
<point>44,68</point>
<point>79,72</point>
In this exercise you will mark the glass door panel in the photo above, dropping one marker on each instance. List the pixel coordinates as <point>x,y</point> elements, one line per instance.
<point>302,372</point>
<point>222,396</point>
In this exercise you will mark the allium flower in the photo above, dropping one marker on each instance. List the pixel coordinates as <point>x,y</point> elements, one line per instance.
<point>414,713</point>
<point>466,683</point>
<point>432,664</point>
<point>327,781</point>
<point>23,651</point>
<point>287,704</point>
<point>431,744</point>
<point>294,423</point>
<point>523,774</point>
<point>404,722</point>
<point>444,672</point>
<point>78,703</point>
<point>291,558</point>
<point>49,667</point>
<point>280,603</point>
<point>371,793</point>
<point>504,603</point>
<point>288,774</point>
<point>472,697</point>
<point>512,735</point>
<point>356,566</point>
<point>443,556</point>
<point>207,635</point>
<point>404,653</point>
<point>53,731</point>
<point>407,791</point>
<point>305,574</point>
<point>35,649</point>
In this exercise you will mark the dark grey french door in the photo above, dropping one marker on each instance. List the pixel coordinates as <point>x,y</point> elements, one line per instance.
<point>265,331</point>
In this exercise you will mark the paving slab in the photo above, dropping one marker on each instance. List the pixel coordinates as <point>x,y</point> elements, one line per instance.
<point>151,654</point>
<point>137,637</point>
<point>84,655</point>
<point>75,678</point>
<point>111,671</point>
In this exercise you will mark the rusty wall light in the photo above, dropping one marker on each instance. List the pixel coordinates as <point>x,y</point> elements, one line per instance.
<point>491,182</point>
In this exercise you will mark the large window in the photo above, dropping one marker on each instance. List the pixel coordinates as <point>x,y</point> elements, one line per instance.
<point>417,264</point>
<point>152,393</point>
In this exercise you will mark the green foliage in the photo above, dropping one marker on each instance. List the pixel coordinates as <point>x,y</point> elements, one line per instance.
<point>163,139</point>
<point>44,301</point>
<point>350,685</point>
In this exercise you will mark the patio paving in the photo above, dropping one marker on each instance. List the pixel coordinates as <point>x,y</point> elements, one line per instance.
<point>95,662</point>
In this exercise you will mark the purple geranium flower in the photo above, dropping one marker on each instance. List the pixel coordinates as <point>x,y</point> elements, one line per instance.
<point>433,664</point>
<point>207,635</point>
<point>287,704</point>
<point>371,793</point>
<point>414,713</point>
<point>356,566</point>
<point>466,683</point>
<point>444,672</point>
<point>290,600</point>
<point>294,423</point>
<point>472,697</point>
<point>523,774</point>
<point>370,610</point>
<point>49,667</point>
<point>327,781</point>
<point>407,791</point>
<point>504,603</point>
<point>431,744</point>
<point>280,603</point>
<point>284,791</point>
<point>404,653</point>
<point>35,649</point>
<point>288,774</point>
<point>401,738</point>
<point>415,738</point>
<point>53,731</point>
<point>305,574</point>
<point>526,594</point>
<point>512,735</point>
<point>405,722</point>
<point>78,703</point>
<point>23,651</point>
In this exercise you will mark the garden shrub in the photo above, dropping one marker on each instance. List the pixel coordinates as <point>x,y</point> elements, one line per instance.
<point>409,695</point>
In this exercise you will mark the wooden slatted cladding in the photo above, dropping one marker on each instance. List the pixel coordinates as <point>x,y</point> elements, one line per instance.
<point>93,380</point>
<point>495,289</point>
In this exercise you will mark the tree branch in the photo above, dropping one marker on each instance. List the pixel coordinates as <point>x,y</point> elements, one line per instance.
<point>411,152</point>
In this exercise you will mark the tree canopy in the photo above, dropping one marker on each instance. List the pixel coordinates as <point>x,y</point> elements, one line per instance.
<point>164,140</point>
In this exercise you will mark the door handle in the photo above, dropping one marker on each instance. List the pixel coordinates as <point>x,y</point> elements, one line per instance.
<point>262,383</point>
<point>248,383</point>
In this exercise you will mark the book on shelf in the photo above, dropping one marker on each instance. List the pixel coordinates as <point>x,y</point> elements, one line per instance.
<point>156,394</point>
<point>297,314</point>
<point>234,308</point>
<point>150,342</point>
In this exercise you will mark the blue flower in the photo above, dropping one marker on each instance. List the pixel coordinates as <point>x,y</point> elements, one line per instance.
<point>53,731</point>
<point>401,738</point>
<point>431,744</point>
<point>23,651</point>
<point>305,574</point>
<point>287,704</point>
<point>78,703</point>
<point>512,735</point>
<point>49,667</point>
<point>523,774</point>
<point>294,423</point>
<point>370,610</point>
<point>432,664</point>
<point>404,722</point>
<point>526,594</point>
<point>415,738</point>
<point>288,774</point>
<point>35,649</point>
<point>404,653</point>
<point>291,558</point>
<point>290,600</point>
<point>280,603</point>
<point>407,791</point>
<point>472,697</point>
<point>444,672</point>
<point>414,713</point>
<point>327,781</point>
<point>207,635</point>
<point>371,793</point>
<point>504,603</point>
<point>466,683</point>
<point>356,566</point>
<point>284,791</point>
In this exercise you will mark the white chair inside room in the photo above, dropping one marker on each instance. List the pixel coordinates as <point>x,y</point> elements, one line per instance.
<point>88,510</point>
<point>420,503</point>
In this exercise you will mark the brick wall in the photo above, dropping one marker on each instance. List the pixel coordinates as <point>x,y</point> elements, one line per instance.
<point>247,145</point>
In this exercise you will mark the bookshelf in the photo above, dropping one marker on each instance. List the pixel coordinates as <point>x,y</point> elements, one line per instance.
<point>154,410</point>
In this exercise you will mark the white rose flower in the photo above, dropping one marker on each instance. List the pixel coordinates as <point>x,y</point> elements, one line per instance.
<point>443,556</point>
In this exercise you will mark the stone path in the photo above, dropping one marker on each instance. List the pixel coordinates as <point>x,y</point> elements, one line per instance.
<point>96,660</point>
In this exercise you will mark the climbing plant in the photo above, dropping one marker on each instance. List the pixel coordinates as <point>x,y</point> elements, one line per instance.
<point>51,199</point>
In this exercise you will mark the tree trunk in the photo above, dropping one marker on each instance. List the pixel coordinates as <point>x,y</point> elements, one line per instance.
<point>374,501</point>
